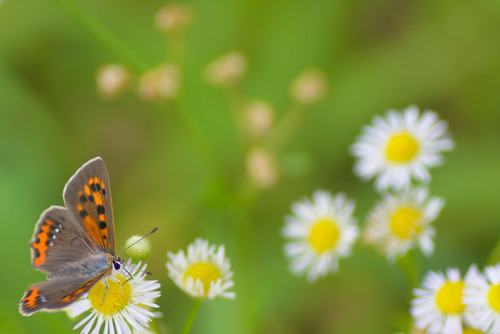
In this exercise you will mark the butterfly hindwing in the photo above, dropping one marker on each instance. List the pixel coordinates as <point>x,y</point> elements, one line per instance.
<point>88,196</point>
<point>57,240</point>
<point>55,294</point>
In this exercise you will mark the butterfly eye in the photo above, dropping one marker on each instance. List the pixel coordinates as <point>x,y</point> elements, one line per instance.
<point>116,265</point>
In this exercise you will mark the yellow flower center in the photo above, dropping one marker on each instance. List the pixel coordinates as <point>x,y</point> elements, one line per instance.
<point>402,147</point>
<point>494,297</point>
<point>405,222</point>
<point>471,331</point>
<point>206,272</point>
<point>324,235</point>
<point>117,296</point>
<point>449,297</point>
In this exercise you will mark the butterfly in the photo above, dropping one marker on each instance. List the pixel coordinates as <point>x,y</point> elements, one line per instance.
<point>74,245</point>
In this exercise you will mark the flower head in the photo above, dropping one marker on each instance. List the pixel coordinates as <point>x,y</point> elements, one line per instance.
<point>204,272</point>
<point>126,303</point>
<point>320,232</point>
<point>402,221</point>
<point>438,306</point>
<point>482,298</point>
<point>401,146</point>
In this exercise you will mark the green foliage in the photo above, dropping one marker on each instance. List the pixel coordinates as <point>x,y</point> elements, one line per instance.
<point>180,165</point>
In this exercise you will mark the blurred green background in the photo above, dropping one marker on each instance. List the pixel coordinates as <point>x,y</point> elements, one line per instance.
<point>179,166</point>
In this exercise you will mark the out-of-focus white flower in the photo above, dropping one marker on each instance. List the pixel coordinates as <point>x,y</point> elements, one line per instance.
<point>402,221</point>
<point>401,146</point>
<point>320,232</point>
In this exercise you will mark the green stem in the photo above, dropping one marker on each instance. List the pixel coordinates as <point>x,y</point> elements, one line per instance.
<point>196,137</point>
<point>287,127</point>
<point>191,317</point>
<point>410,269</point>
<point>494,257</point>
<point>102,34</point>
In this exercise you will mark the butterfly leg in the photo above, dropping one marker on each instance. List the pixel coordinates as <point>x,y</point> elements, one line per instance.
<point>128,279</point>
<point>105,291</point>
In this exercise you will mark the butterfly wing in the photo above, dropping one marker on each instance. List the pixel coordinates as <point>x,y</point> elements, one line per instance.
<point>57,240</point>
<point>88,196</point>
<point>56,294</point>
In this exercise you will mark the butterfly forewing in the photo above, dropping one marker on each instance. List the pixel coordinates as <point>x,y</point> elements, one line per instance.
<point>88,196</point>
<point>58,239</point>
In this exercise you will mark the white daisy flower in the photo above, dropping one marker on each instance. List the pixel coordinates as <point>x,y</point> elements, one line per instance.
<point>203,273</point>
<point>320,232</point>
<point>482,298</point>
<point>125,305</point>
<point>401,146</point>
<point>438,307</point>
<point>402,221</point>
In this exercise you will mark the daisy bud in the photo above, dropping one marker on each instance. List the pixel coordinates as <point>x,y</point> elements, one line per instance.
<point>227,70</point>
<point>111,80</point>
<point>260,118</point>
<point>262,168</point>
<point>173,17</point>
<point>139,251</point>
<point>309,87</point>
<point>160,83</point>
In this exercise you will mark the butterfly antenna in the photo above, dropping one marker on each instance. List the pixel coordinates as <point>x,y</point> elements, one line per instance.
<point>144,237</point>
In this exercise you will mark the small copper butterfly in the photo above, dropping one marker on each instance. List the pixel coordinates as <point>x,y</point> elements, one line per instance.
<point>74,245</point>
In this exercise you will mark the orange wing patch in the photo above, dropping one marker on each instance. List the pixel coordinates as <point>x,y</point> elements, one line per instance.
<point>80,290</point>
<point>32,298</point>
<point>42,243</point>
<point>92,211</point>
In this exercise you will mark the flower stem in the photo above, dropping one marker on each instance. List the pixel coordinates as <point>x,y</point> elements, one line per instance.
<point>286,128</point>
<point>494,257</point>
<point>102,34</point>
<point>410,269</point>
<point>191,317</point>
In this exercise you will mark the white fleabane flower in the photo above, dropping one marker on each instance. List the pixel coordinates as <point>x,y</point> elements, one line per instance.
<point>401,146</point>
<point>482,298</point>
<point>124,305</point>
<point>438,307</point>
<point>402,221</point>
<point>203,273</point>
<point>319,232</point>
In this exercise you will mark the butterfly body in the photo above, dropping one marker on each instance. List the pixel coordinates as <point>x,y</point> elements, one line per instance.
<point>74,245</point>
